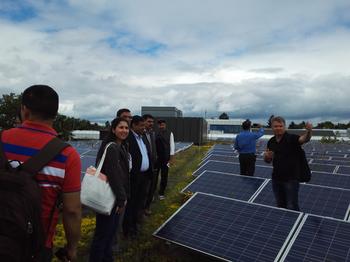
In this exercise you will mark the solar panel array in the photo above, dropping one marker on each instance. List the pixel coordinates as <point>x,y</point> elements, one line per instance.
<point>229,230</point>
<point>88,151</point>
<point>326,198</point>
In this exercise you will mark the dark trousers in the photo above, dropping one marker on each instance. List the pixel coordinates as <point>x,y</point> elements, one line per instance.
<point>286,194</point>
<point>164,170</point>
<point>152,188</point>
<point>45,255</point>
<point>103,240</point>
<point>247,164</point>
<point>139,183</point>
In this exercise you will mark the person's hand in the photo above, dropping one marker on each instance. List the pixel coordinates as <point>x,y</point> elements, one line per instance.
<point>268,155</point>
<point>120,210</point>
<point>71,254</point>
<point>308,126</point>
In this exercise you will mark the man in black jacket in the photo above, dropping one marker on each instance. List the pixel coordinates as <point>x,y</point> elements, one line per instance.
<point>165,152</point>
<point>139,176</point>
<point>150,140</point>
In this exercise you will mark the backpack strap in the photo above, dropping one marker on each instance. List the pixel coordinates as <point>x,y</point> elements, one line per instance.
<point>3,159</point>
<point>34,164</point>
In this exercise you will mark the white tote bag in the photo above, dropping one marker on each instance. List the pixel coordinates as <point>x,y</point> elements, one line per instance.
<point>96,193</point>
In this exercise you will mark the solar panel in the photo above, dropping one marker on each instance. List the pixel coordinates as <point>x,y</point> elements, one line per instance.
<point>232,168</point>
<point>226,185</point>
<point>229,229</point>
<point>222,158</point>
<point>320,239</point>
<point>231,159</point>
<point>344,170</point>
<point>317,200</point>
<point>222,153</point>
<point>322,168</point>
<point>224,167</point>
<point>331,180</point>
<point>331,162</point>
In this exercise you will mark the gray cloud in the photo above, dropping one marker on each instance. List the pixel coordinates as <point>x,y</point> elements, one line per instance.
<point>250,59</point>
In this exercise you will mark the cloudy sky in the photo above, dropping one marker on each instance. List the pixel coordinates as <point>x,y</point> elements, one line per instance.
<point>248,58</point>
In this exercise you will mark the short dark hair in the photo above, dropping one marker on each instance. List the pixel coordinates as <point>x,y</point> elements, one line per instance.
<point>246,124</point>
<point>42,100</point>
<point>161,121</point>
<point>136,119</point>
<point>278,119</point>
<point>121,111</point>
<point>146,116</point>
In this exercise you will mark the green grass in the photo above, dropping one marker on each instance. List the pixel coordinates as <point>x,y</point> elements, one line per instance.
<point>147,247</point>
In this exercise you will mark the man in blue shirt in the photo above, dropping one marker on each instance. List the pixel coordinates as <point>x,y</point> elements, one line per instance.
<point>245,144</point>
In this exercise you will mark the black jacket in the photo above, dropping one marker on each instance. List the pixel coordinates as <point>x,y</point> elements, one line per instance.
<point>135,153</point>
<point>116,168</point>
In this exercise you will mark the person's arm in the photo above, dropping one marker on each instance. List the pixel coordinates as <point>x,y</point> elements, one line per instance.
<point>268,154</point>
<point>260,132</point>
<point>113,171</point>
<point>71,222</point>
<point>71,213</point>
<point>307,136</point>
<point>172,148</point>
<point>236,143</point>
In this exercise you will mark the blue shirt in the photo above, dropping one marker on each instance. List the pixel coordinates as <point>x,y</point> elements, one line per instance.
<point>245,141</point>
<point>143,150</point>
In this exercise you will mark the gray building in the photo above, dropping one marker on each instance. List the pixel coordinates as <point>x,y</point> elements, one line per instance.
<point>161,111</point>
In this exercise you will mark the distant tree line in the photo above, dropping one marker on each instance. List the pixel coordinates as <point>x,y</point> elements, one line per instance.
<point>301,125</point>
<point>64,125</point>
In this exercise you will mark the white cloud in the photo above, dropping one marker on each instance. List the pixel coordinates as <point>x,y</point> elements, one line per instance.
<point>248,58</point>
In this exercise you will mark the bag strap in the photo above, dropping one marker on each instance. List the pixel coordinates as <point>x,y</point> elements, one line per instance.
<point>45,155</point>
<point>100,164</point>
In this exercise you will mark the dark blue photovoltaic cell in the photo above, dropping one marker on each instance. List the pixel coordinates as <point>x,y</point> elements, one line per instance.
<point>322,168</point>
<point>317,200</point>
<point>321,239</point>
<point>229,229</point>
<point>328,179</point>
<point>233,186</point>
<point>344,170</point>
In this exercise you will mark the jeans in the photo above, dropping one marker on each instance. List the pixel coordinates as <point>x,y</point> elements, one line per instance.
<point>247,164</point>
<point>286,194</point>
<point>102,243</point>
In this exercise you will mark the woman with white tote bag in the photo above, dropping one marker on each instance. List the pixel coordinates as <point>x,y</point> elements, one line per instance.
<point>116,170</point>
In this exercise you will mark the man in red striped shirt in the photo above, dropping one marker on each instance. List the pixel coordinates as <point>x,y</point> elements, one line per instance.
<point>61,175</point>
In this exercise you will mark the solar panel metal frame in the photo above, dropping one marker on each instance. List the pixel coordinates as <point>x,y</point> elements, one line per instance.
<point>297,232</point>
<point>228,174</point>
<point>281,251</point>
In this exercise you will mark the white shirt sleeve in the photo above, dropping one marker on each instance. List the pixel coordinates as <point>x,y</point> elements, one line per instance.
<point>172,144</point>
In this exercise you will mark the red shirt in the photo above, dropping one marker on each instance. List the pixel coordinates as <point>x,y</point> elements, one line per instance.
<point>62,174</point>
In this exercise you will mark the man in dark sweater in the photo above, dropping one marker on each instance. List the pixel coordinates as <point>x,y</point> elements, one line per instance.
<point>283,150</point>
<point>165,152</point>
